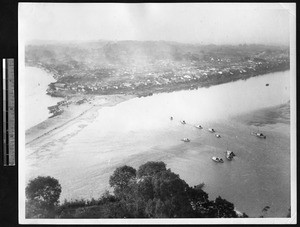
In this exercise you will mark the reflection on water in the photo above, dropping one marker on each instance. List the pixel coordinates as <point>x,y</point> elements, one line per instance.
<point>37,101</point>
<point>140,130</point>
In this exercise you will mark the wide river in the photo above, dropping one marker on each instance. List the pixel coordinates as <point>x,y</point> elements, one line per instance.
<point>140,130</point>
<point>37,101</point>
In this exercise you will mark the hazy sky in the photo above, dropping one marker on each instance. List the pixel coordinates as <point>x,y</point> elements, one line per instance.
<point>182,22</point>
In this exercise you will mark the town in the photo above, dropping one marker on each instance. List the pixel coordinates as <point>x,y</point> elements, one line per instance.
<point>145,72</point>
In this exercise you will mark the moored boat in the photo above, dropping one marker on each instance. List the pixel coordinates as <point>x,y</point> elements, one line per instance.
<point>258,134</point>
<point>217,159</point>
<point>211,130</point>
<point>199,126</point>
<point>183,122</point>
<point>217,135</point>
<point>186,140</point>
<point>229,155</point>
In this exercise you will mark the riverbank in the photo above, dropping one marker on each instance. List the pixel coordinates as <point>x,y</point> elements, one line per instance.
<point>142,89</point>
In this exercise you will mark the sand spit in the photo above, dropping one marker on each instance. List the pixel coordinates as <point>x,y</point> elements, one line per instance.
<point>72,113</point>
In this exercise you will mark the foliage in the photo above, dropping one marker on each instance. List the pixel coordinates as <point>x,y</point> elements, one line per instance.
<point>122,176</point>
<point>42,195</point>
<point>150,169</point>
<point>157,192</point>
<point>121,179</point>
<point>151,192</point>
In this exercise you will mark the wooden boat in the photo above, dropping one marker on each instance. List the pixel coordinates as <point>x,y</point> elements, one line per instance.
<point>211,130</point>
<point>259,135</point>
<point>183,122</point>
<point>217,135</point>
<point>229,155</point>
<point>199,126</point>
<point>186,140</point>
<point>217,159</point>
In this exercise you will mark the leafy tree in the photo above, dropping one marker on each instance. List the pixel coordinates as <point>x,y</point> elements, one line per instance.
<point>145,189</point>
<point>224,208</point>
<point>158,192</point>
<point>42,195</point>
<point>151,168</point>
<point>122,179</point>
<point>169,191</point>
<point>153,192</point>
<point>198,199</point>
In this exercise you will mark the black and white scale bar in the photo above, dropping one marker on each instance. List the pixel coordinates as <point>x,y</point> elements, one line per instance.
<point>8,112</point>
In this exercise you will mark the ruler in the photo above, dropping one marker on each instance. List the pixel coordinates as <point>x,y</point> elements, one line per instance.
<point>8,112</point>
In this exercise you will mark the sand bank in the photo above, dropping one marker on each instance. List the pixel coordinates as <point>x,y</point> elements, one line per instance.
<point>72,113</point>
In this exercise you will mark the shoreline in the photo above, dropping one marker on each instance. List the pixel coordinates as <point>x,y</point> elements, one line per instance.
<point>75,106</point>
<point>71,113</point>
<point>141,90</point>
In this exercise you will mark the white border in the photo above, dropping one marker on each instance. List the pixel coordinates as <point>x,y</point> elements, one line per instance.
<point>21,152</point>
<point>21,117</point>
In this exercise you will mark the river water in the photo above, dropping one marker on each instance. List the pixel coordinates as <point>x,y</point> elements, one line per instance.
<point>140,130</point>
<point>37,101</point>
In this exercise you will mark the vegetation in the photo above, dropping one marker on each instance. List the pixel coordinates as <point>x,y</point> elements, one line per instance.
<point>42,197</point>
<point>152,191</point>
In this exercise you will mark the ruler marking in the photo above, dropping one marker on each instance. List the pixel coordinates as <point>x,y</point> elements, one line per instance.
<point>9,114</point>
<point>4,113</point>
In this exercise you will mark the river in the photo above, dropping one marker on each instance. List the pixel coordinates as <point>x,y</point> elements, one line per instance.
<point>140,130</point>
<point>37,101</point>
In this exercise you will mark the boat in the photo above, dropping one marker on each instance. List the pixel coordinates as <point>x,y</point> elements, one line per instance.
<point>199,126</point>
<point>259,135</point>
<point>267,84</point>
<point>229,155</point>
<point>217,135</point>
<point>183,122</point>
<point>186,140</point>
<point>217,159</point>
<point>171,118</point>
<point>211,130</point>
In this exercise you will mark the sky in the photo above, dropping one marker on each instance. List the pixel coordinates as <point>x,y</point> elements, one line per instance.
<point>209,23</point>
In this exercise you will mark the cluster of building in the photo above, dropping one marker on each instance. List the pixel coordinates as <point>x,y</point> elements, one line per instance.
<point>135,77</point>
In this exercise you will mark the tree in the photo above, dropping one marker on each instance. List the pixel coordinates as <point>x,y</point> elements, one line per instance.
<point>224,208</point>
<point>151,168</point>
<point>121,180</point>
<point>144,189</point>
<point>151,192</point>
<point>199,199</point>
<point>42,195</point>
